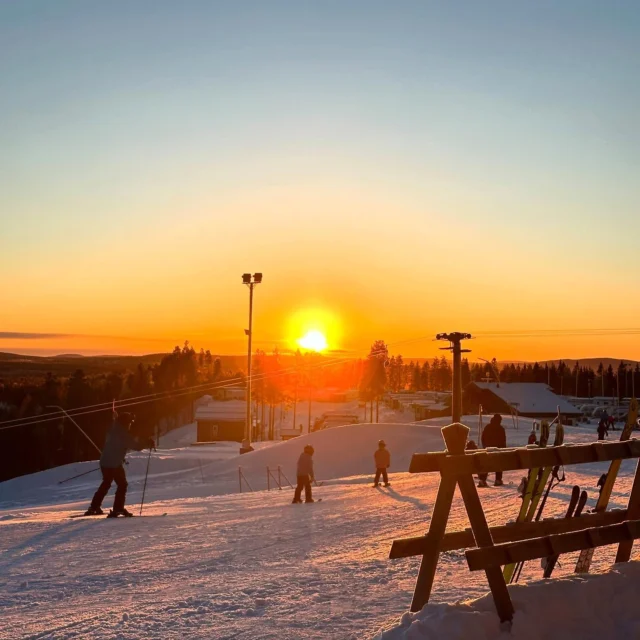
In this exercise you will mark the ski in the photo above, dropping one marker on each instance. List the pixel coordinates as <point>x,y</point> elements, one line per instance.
<point>86,515</point>
<point>97,515</point>
<point>606,486</point>
<point>549,562</point>
<point>528,491</point>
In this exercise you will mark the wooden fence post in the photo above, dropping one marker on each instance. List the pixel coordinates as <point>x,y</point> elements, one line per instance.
<point>455,436</point>
<point>437,528</point>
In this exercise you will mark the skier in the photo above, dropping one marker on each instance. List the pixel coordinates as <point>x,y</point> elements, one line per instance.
<point>532,438</point>
<point>305,476</point>
<point>602,429</point>
<point>117,443</point>
<point>382,459</point>
<point>493,435</point>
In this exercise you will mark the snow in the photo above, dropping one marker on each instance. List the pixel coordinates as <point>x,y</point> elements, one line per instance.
<point>530,397</point>
<point>545,609</point>
<point>224,564</point>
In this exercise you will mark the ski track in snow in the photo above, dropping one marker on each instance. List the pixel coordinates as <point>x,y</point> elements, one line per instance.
<point>247,565</point>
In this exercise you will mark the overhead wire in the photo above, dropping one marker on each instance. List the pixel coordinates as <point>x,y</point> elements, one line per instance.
<point>131,402</point>
<point>210,386</point>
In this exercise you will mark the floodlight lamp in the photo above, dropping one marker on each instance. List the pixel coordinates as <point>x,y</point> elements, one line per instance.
<point>246,278</point>
<point>257,278</point>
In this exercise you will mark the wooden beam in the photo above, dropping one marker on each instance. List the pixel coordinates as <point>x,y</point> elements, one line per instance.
<point>455,437</point>
<point>437,528</point>
<point>481,559</point>
<point>455,540</point>
<point>512,459</point>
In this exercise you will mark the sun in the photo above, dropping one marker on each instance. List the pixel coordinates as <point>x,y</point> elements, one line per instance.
<point>313,341</point>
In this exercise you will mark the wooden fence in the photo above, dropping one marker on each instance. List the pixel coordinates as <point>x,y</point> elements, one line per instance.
<point>488,548</point>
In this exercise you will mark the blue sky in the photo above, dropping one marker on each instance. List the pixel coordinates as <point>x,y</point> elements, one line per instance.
<point>130,124</point>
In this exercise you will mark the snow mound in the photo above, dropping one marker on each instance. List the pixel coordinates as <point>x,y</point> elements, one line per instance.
<point>341,452</point>
<point>590,607</point>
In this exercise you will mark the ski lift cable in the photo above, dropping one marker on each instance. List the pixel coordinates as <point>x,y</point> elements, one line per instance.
<point>160,395</point>
<point>131,402</point>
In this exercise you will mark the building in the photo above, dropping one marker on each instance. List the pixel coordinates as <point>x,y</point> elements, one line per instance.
<point>529,399</point>
<point>221,420</point>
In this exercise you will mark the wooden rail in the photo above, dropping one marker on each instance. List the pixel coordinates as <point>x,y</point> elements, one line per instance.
<point>509,552</point>
<point>487,461</point>
<point>456,540</point>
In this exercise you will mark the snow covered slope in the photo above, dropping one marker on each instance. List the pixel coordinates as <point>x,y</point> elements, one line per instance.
<point>225,565</point>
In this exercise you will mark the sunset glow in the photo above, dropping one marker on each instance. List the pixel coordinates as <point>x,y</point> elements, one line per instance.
<point>313,341</point>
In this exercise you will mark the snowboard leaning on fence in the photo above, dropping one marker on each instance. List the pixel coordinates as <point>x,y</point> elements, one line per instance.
<point>586,556</point>
<point>538,477</point>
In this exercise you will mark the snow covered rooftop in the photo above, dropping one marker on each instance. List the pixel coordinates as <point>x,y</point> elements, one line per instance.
<point>230,410</point>
<point>531,398</point>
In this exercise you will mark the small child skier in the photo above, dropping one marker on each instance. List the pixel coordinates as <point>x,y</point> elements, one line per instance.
<point>117,443</point>
<point>382,458</point>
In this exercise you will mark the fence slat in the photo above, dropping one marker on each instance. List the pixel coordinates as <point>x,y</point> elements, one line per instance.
<point>479,559</point>
<point>455,540</point>
<point>512,460</point>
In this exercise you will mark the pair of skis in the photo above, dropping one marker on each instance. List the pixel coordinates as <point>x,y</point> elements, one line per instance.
<point>533,490</point>
<point>576,505</point>
<point>586,555</point>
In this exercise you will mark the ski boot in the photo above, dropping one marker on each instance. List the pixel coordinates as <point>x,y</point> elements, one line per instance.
<point>94,511</point>
<point>124,513</point>
<point>498,483</point>
<point>483,484</point>
<point>376,485</point>
<point>387,484</point>
<point>294,501</point>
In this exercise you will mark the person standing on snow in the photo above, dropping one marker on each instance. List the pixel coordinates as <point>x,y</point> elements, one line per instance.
<point>305,476</point>
<point>382,459</point>
<point>118,442</point>
<point>493,435</point>
<point>602,429</point>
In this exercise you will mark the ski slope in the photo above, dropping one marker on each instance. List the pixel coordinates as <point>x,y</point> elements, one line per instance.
<point>224,564</point>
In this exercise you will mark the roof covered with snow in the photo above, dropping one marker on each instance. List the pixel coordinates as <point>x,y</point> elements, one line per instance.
<point>228,410</point>
<point>529,398</point>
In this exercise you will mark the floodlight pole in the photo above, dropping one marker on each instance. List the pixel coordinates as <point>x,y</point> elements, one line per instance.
<point>455,345</point>
<point>251,282</point>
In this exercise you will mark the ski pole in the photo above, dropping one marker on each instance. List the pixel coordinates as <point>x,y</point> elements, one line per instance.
<point>79,475</point>
<point>144,489</point>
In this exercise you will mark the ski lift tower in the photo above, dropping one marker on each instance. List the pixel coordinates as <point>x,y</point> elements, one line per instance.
<point>455,346</point>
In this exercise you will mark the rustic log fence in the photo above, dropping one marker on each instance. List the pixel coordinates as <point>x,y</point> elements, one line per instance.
<point>489,548</point>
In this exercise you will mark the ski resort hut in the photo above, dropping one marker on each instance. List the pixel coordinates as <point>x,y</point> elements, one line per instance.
<point>529,399</point>
<point>221,420</point>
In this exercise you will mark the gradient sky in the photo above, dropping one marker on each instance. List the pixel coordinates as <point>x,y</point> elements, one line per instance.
<point>402,167</point>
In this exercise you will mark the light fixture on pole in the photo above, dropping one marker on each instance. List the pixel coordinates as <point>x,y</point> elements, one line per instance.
<point>251,282</point>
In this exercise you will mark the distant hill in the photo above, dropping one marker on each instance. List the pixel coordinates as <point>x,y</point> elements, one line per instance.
<point>592,363</point>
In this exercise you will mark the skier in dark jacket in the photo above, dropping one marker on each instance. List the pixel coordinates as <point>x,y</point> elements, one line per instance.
<point>304,475</point>
<point>603,431</point>
<point>493,435</point>
<point>117,443</point>
<point>382,458</point>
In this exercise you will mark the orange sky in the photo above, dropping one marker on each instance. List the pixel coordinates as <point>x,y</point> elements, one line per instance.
<point>383,168</point>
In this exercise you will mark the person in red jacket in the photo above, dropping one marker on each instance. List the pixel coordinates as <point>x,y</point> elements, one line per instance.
<point>493,435</point>
<point>382,459</point>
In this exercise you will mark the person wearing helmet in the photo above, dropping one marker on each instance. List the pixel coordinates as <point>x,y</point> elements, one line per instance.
<point>117,443</point>
<point>305,476</point>
<point>382,458</point>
